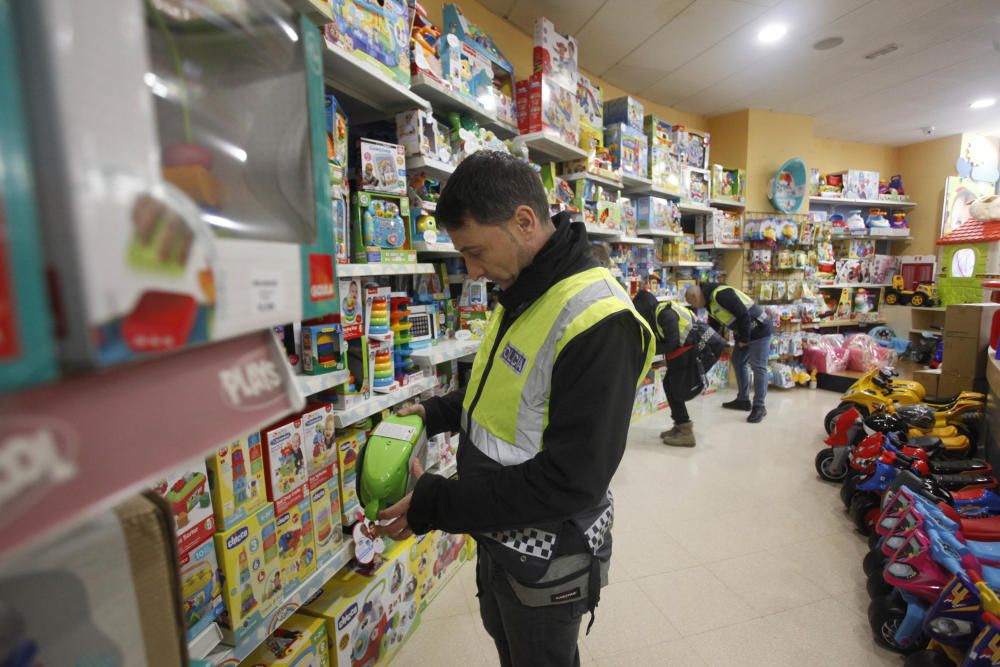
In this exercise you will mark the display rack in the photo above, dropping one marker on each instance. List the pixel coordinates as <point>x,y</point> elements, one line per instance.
<point>445,351</point>
<point>380,402</point>
<point>607,182</point>
<point>434,168</point>
<point>439,249</point>
<point>603,233</point>
<point>838,201</point>
<point>309,385</point>
<point>728,203</point>
<point>716,246</point>
<point>355,270</point>
<point>634,240</point>
<point>375,96</point>
<point>551,148</point>
<point>659,233</point>
<point>445,100</point>
<point>690,265</point>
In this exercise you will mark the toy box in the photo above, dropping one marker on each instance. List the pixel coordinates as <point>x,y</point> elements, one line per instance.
<point>369,616</point>
<point>293,523</point>
<point>591,102</point>
<point>859,184</point>
<point>349,444</point>
<point>200,591</point>
<point>319,442</point>
<point>554,55</point>
<point>341,226</point>
<point>381,363</point>
<point>697,184</point>
<point>379,229</point>
<point>237,479</point>
<point>186,491</point>
<point>352,308</point>
<point>27,340</point>
<point>336,145</point>
<point>284,461</point>
<point>497,91</point>
<point>358,387</point>
<point>656,214</point>
<point>628,148</point>
<point>544,105</point>
<point>322,348</point>
<point>450,551</point>
<point>301,641</point>
<point>381,167</point>
<point>421,135</point>
<point>327,527</point>
<point>729,184</point>
<point>659,132</point>
<point>625,111</point>
<point>692,146</point>
<point>374,33</point>
<point>665,170</point>
<point>467,72</point>
<point>424,39</point>
<point>243,241</point>
<point>250,571</point>
<point>609,215</point>
<point>722,228</point>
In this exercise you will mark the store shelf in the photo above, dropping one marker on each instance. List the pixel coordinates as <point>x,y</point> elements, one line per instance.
<point>551,148</point>
<point>442,249</point>
<point>445,351</point>
<point>371,94</point>
<point>314,384</point>
<point>380,402</point>
<point>647,189</point>
<point>716,246</point>
<point>595,178</point>
<point>928,332</point>
<point>837,201</point>
<point>239,649</point>
<point>691,207</point>
<point>870,237</point>
<point>444,99</point>
<point>600,232</point>
<point>206,642</point>
<point>845,285</point>
<point>728,203</point>
<point>692,265</point>
<point>634,240</point>
<point>354,270</point>
<point>659,233</point>
<point>840,323</point>
<point>631,181</point>
<point>434,168</point>
<point>103,435</point>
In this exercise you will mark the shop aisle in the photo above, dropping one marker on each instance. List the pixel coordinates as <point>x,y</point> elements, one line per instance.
<point>732,553</point>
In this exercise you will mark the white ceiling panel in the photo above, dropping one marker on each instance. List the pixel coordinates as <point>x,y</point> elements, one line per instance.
<point>618,27</point>
<point>498,7</point>
<point>567,15</point>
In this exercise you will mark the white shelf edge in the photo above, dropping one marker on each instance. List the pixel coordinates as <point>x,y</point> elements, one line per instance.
<point>634,240</point>
<point>689,265</point>
<point>314,384</point>
<point>379,402</point>
<point>445,351</point>
<point>712,246</point>
<point>362,81</point>
<point>659,233</point>
<point>870,237</point>
<point>693,207</point>
<point>436,248</point>
<point>727,203</point>
<point>430,165</point>
<point>845,285</point>
<point>355,270</point>
<point>602,233</point>
<point>631,181</point>
<point>207,640</point>
<point>551,146</point>
<point>861,202</point>
<point>603,180</point>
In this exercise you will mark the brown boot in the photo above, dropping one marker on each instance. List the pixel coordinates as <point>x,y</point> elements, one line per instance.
<point>683,438</point>
<point>671,433</point>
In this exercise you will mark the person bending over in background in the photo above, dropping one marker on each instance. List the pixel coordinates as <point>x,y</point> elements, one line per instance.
<point>543,420</point>
<point>731,308</point>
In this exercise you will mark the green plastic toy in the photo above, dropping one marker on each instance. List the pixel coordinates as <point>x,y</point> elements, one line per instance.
<point>384,464</point>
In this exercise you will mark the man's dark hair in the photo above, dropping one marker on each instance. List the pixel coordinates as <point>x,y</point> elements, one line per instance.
<point>487,187</point>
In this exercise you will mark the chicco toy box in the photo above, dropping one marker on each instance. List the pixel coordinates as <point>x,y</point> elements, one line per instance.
<point>327,527</point>
<point>284,461</point>
<point>186,491</point>
<point>301,641</point>
<point>207,215</point>
<point>250,571</point>
<point>319,441</point>
<point>349,444</point>
<point>377,33</point>
<point>368,617</point>
<point>200,590</point>
<point>237,479</point>
<point>296,546</point>
<point>379,229</point>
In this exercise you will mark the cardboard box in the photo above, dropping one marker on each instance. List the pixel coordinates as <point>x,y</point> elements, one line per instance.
<point>322,348</point>
<point>970,320</point>
<point>626,110</point>
<point>375,33</point>
<point>301,641</point>
<point>628,148</point>
<point>237,479</point>
<point>284,462</point>
<point>319,441</point>
<point>186,492</point>
<point>250,571</point>
<point>380,229</point>
<point>328,531</point>
<point>349,443</point>
<point>200,591</point>
<point>964,356</point>
<point>545,105</point>
<point>554,55</point>
<point>296,544</point>
<point>952,383</point>
<point>930,379</point>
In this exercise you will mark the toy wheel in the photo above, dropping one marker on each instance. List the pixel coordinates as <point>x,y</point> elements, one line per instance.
<point>831,417</point>
<point>928,658</point>
<point>849,489</point>
<point>824,466</point>
<point>874,562</point>
<point>891,298</point>
<point>918,300</point>
<point>864,512</point>
<point>885,616</point>
<point>873,540</point>
<point>877,586</point>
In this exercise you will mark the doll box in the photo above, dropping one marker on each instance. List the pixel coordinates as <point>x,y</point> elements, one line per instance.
<point>328,530</point>
<point>293,523</point>
<point>554,55</point>
<point>301,641</point>
<point>200,591</point>
<point>186,491</point>
<point>374,33</point>
<point>322,348</point>
<point>250,571</point>
<point>626,111</point>
<point>237,479</point>
<point>284,461</point>
<point>320,442</point>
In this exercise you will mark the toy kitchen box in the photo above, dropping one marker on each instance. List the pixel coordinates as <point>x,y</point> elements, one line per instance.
<point>379,229</point>
<point>202,216</point>
<point>369,617</point>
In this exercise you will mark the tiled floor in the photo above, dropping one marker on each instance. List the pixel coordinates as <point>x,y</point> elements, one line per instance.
<point>732,553</point>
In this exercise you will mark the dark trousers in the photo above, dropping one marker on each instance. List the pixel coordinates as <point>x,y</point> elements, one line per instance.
<point>526,636</point>
<point>678,407</point>
<point>753,356</point>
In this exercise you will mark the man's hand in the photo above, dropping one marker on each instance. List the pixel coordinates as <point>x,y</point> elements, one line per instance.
<point>415,409</point>
<point>393,523</point>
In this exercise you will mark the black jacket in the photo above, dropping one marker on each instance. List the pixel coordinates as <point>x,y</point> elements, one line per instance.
<point>744,328</point>
<point>593,390</point>
<point>647,304</point>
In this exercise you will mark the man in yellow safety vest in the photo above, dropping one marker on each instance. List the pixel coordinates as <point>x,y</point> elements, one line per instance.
<point>544,418</point>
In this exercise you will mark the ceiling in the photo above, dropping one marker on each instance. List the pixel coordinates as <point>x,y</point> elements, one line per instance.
<point>703,57</point>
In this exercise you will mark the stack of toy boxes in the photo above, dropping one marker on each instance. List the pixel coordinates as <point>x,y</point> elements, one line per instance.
<point>722,228</point>
<point>654,214</point>
<point>547,102</point>
<point>337,159</point>
<point>374,33</point>
<point>692,147</point>
<point>137,275</point>
<point>320,442</point>
<point>350,440</point>
<point>422,136</point>
<point>352,325</point>
<point>488,75</point>
<point>301,641</point>
<point>369,616</point>
<point>187,493</point>
<point>624,138</point>
<point>729,184</point>
<point>664,163</point>
<point>287,488</point>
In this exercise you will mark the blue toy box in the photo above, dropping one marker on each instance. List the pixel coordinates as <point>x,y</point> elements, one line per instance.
<point>375,32</point>
<point>626,110</point>
<point>628,148</point>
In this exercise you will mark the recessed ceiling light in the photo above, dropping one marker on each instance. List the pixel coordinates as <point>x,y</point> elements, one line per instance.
<point>984,103</point>
<point>828,43</point>
<point>771,33</point>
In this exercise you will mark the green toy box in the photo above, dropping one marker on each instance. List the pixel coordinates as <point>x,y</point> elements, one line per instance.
<point>379,229</point>
<point>250,571</point>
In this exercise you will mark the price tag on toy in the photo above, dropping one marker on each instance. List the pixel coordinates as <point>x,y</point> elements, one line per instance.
<point>266,292</point>
<point>367,543</point>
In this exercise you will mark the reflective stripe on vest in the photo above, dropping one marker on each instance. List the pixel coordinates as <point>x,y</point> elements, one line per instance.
<point>521,373</point>
<point>723,316</point>
<point>685,318</point>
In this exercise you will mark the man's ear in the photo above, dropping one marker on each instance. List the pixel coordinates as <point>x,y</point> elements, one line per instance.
<point>526,221</point>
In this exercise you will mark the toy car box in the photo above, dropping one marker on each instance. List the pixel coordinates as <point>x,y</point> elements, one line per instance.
<point>322,348</point>
<point>381,167</point>
<point>237,479</point>
<point>628,148</point>
<point>376,33</point>
<point>328,530</point>
<point>545,105</point>
<point>284,461</point>
<point>379,229</point>
<point>301,641</point>
<point>626,111</point>
<point>250,571</point>
<point>554,55</point>
<point>293,524</point>
<point>205,220</point>
<point>186,492</point>
<point>200,591</point>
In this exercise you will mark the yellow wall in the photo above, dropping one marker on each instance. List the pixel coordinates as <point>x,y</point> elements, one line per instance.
<point>924,167</point>
<point>517,47</point>
<point>829,155</point>
<point>773,138</point>
<point>729,138</point>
